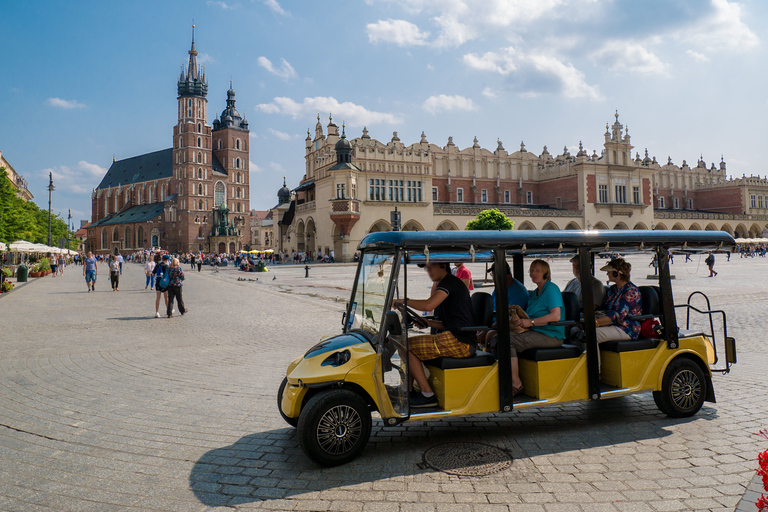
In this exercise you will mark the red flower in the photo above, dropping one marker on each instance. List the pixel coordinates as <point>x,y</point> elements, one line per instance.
<point>762,504</point>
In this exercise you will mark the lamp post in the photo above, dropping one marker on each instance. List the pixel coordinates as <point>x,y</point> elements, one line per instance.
<point>69,224</point>
<point>51,188</point>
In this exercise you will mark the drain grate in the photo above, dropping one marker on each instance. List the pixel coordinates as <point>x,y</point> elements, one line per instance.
<point>467,459</point>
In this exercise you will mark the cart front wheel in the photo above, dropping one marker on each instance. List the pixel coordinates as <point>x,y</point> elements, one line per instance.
<point>683,389</point>
<point>334,427</point>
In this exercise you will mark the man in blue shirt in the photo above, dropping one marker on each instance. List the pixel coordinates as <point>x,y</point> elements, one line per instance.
<point>516,294</point>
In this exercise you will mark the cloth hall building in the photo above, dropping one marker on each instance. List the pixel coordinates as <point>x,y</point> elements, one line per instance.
<point>191,197</point>
<point>351,186</point>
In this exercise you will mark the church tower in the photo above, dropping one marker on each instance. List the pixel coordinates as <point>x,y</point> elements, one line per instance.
<point>230,138</point>
<point>192,157</point>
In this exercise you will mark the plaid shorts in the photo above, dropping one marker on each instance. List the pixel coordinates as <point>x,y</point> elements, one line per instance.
<point>432,346</point>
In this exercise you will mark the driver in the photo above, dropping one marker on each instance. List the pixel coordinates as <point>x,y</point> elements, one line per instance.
<point>450,301</point>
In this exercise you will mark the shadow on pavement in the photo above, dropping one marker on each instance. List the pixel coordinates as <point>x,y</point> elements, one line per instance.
<point>133,318</point>
<point>270,465</point>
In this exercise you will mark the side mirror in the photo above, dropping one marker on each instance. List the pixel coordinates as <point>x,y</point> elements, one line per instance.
<point>392,324</point>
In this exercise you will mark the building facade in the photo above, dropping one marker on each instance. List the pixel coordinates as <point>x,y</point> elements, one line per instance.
<point>17,180</point>
<point>191,197</point>
<point>351,186</point>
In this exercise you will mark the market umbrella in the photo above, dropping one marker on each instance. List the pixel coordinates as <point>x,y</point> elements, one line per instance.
<point>2,246</point>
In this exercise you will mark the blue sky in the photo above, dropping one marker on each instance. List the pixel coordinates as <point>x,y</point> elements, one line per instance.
<point>84,80</point>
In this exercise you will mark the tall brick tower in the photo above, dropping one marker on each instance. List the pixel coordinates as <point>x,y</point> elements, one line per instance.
<point>231,148</point>
<point>192,160</point>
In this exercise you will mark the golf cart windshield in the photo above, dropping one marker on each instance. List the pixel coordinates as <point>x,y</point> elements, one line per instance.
<point>367,306</point>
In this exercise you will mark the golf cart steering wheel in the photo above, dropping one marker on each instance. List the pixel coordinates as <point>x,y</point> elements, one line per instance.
<point>414,317</point>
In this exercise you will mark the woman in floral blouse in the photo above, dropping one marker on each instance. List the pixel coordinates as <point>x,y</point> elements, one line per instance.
<point>622,301</point>
<point>174,287</point>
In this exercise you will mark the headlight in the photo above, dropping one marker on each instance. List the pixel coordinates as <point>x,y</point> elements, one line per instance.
<point>337,359</point>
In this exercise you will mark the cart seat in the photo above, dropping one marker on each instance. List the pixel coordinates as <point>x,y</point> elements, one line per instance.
<point>451,363</point>
<point>565,351</point>
<point>650,306</point>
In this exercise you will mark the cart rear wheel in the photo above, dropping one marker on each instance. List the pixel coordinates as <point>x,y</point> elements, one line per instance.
<point>291,421</point>
<point>334,427</point>
<point>683,389</point>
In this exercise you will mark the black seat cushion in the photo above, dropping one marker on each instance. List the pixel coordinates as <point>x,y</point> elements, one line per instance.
<point>482,308</point>
<point>451,363</point>
<point>572,306</point>
<point>565,351</point>
<point>629,345</point>
<point>649,300</point>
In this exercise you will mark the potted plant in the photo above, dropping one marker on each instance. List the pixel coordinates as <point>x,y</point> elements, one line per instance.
<point>6,286</point>
<point>44,266</point>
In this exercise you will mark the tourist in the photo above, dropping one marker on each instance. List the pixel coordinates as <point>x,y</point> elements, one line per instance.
<point>120,260</point>
<point>174,288</point>
<point>545,304</point>
<point>114,273</point>
<point>192,261</point>
<point>574,285</point>
<point>52,261</point>
<point>710,261</point>
<point>200,262</point>
<point>149,266</point>
<point>622,302</point>
<point>517,295</point>
<point>161,268</point>
<point>463,273</point>
<point>90,271</point>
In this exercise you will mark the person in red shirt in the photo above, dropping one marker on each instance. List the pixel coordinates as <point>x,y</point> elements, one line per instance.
<point>463,273</point>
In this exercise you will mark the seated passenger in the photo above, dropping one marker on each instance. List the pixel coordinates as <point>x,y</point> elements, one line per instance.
<point>516,295</point>
<point>450,301</point>
<point>545,304</point>
<point>623,300</point>
<point>574,285</point>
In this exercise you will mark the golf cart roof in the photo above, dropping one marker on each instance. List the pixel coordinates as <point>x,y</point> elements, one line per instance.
<point>547,240</point>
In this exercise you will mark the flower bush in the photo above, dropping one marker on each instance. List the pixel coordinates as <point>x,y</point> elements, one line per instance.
<point>762,460</point>
<point>6,286</point>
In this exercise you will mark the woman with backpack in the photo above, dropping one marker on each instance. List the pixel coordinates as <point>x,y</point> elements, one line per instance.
<point>176,276</point>
<point>162,280</point>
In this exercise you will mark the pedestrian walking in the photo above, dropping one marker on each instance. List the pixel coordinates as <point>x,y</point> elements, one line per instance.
<point>174,288</point>
<point>114,272</point>
<point>192,261</point>
<point>161,284</point>
<point>90,271</point>
<point>710,261</point>
<point>149,266</point>
<point>53,262</point>
<point>120,260</point>
<point>199,261</point>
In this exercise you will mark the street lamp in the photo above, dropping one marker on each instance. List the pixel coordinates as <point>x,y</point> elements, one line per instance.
<point>69,223</point>
<point>51,188</point>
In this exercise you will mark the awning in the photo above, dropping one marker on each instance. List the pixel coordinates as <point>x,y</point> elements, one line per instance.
<point>305,186</point>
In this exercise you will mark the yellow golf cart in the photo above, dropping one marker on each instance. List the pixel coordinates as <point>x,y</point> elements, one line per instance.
<point>331,391</point>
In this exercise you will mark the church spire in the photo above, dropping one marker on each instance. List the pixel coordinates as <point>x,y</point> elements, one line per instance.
<point>192,69</point>
<point>194,82</point>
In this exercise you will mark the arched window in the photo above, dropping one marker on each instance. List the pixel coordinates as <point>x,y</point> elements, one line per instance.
<point>179,140</point>
<point>206,207</point>
<point>238,208</point>
<point>238,177</point>
<point>200,232</point>
<point>200,205</point>
<point>151,194</point>
<point>200,173</point>
<point>237,163</point>
<point>140,236</point>
<point>115,235</point>
<point>162,193</point>
<point>237,144</point>
<point>237,193</point>
<point>181,189</point>
<point>219,194</point>
<point>199,142</point>
<point>199,128</point>
<point>117,199</point>
<point>197,219</point>
<point>128,237</point>
<point>199,189</point>
<point>103,238</point>
<point>199,157</point>
<point>205,217</point>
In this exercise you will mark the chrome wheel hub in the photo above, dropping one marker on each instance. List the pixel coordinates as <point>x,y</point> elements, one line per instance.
<point>686,389</point>
<point>339,429</point>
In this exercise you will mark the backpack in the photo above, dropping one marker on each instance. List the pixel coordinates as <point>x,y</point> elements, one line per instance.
<point>165,279</point>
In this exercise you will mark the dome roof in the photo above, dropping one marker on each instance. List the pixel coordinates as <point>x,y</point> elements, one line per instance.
<point>343,143</point>
<point>284,194</point>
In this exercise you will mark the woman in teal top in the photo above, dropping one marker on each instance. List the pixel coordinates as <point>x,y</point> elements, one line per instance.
<point>545,304</point>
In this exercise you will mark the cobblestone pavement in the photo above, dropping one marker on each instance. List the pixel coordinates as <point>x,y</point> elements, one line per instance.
<point>103,407</point>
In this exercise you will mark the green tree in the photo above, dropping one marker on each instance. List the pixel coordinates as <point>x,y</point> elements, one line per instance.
<point>24,220</point>
<point>491,219</point>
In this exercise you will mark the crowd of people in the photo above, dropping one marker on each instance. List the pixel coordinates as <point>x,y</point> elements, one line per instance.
<point>542,306</point>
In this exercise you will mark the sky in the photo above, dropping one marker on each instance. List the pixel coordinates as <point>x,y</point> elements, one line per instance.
<point>81,82</point>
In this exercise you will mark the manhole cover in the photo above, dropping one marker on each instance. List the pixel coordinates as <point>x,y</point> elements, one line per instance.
<point>467,459</point>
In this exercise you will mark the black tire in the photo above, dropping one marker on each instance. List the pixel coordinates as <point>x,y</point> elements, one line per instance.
<point>683,389</point>
<point>291,421</point>
<point>334,427</point>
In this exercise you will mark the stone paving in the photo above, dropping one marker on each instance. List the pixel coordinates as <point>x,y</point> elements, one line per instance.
<point>103,407</point>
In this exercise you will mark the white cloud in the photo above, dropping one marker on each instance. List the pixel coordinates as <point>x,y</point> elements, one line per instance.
<point>352,113</point>
<point>534,74</point>
<point>446,103</point>
<point>490,93</point>
<point>66,104</point>
<point>280,135</point>
<point>252,167</point>
<point>275,6</point>
<point>81,178</point>
<point>628,56</point>
<point>252,135</point>
<point>722,29</point>
<point>285,71</point>
<point>276,167</point>
<point>204,58</point>
<point>399,32</point>
<point>698,57</point>
<point>223,5</point>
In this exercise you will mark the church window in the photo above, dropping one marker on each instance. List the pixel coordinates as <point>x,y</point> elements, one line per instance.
<point>219,194</point>
<point>180,144</point>
<point>237,193</point>
<point>151,194</point>
<point>237,144</point>
<point>237,163</point>
<point>200,173</point>
<point>206,207</point>
<point>199,128</point>
<point>199,189</point>
<point>200,232</point>
<point>181,189</point>
<point>237,178</point>
<point>197,219</point>
<point>162,193</point>
<point>115,235</point>
<point>200,205</point>
<point>238,207</point>
<point>128,237</point>
<point>199,142</point>
<point>199,157</point>
<point>103,238</point>
<point>219,143</point>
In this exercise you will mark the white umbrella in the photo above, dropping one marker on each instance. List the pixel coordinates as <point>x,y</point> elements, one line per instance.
<point>2,246</point>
